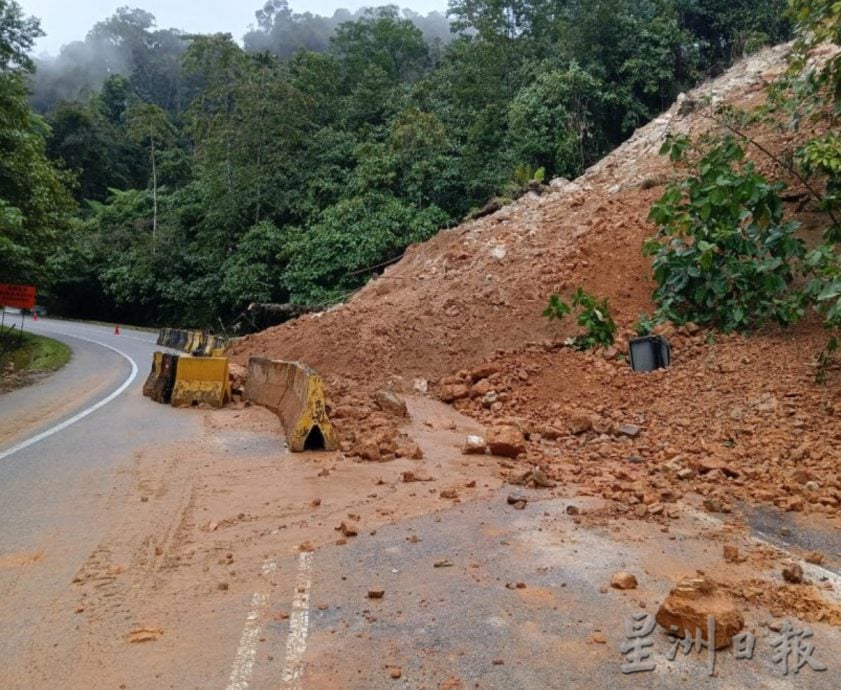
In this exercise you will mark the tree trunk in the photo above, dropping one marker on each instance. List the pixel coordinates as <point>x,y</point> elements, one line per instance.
<point>154,193</point>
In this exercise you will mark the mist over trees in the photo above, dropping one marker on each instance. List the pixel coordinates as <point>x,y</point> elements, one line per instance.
<point>130,44</point>
<point>196,175</point>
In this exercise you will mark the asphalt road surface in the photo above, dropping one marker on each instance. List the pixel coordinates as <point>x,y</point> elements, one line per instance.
<point>146,547</point>
<point>52,490</point>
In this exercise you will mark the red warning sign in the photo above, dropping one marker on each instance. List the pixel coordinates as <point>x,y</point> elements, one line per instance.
<point>19,296</point>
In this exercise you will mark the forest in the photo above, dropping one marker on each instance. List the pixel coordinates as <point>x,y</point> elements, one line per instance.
<point>155,177</point>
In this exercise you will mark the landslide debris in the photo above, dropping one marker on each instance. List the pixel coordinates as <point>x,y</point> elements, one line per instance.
<point>460,318</point>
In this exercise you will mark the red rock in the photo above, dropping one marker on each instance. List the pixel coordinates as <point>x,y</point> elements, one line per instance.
<point>793,573</point>
<point>454,391</point>
<point>347,530</point>
<point>731,553</point>
<point>579,423</point>
<point>410,450</point>
<point>506,441</point>
<point>483,371</point>
<point>367,449</point>
<point>623,580</point>
<point>691,601</point>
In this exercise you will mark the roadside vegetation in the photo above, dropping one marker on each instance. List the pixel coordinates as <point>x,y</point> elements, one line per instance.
<point>724,255</point>
<point>25,354</point>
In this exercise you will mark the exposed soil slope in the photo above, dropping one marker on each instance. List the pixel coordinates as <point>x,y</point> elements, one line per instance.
<point>733,418</point>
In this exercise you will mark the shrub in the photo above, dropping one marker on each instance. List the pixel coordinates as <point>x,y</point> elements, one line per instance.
<point>723,254</point>
<point>593,316</point>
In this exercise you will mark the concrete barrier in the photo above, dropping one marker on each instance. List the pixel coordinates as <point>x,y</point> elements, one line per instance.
<point>154,375</point>
<point>201,380</point>
<point>197,343</point>
<point>296,394</point>
<point>161,380</point>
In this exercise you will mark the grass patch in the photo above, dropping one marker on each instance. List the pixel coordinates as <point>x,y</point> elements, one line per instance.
<point>30,353</point>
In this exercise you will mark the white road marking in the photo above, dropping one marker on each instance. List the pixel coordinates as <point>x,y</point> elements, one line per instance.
<point>84,413</point>
<point>247,651</point>
<point>94,329</point>
<point>815,571</point>
<point>299,623</point>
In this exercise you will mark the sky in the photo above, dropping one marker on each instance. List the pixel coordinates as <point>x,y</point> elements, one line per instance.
<point>65,21</point>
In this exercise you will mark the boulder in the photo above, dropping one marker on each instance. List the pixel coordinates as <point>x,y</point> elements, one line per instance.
<point>623,580</point>
<point>390,403</point>
<point>691,601</point>
<point>474,445</point>
<point>507,441</point>
<point>453,391</point>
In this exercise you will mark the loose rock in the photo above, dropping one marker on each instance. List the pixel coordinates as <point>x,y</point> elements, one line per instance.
<point>691,601</point>
<point>506,441</point>
<point>474,445</point>
<point>389,402</point>
<point>623,580</point>
<point>793,573</point>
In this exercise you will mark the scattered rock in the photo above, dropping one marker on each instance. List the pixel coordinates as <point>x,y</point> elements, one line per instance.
<point>367,449</point>
<point>443,563</point>
<point>579,423</point>
<point>623,580</point>
<point>376,593</point>
<point>347,530</point>
<point>629,430</point>
<point>451,494</point>
<point>506,441</point>
<point>410,450</point>
<point>395,672</point>
<point>483,371</point>
<point>814,557</point>
<point>793,573</point>
<point>454,391</point>
<point>731,553</point>
<point>408,476</point>
<point>514,499</point>
<point>389,402</point>
<point>691,601</point>
<point>538,479</point>
<point>474,445</point>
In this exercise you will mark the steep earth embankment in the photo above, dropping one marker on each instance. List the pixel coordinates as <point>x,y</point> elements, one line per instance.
<point>735,417</point>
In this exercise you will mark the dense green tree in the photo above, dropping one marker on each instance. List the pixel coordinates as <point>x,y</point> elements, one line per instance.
<point>34,197</point>
<point>98,152</point>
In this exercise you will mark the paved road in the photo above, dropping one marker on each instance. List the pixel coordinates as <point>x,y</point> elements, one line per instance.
<point>463,625</point>
<point>52,492</point>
